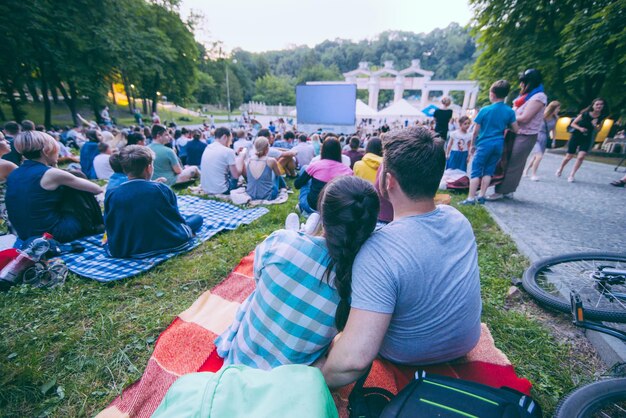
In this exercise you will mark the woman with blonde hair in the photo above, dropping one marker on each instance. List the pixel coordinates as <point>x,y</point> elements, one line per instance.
<point>42,198</point>
<point>442,118</point>
<point>546,133</point>
<point>315,141</point>
<point>261,172</point>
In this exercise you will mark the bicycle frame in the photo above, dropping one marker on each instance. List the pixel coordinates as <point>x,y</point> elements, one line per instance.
<point>578,316</point>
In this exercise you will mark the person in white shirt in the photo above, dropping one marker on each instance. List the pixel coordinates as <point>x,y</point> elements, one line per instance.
<point>101,162</point>
<point>304,151</point>
<point>242,142</point>
<point>221,167</point>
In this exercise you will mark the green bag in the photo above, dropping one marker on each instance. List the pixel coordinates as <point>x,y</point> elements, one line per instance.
<point>240,391</point>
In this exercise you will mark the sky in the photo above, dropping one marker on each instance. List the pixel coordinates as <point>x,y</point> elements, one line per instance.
<point>265,25</point>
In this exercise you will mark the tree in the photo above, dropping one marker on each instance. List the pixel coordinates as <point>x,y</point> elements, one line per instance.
<point>578,46</point>
<point>206,89</point>
<point>275,90</point>
<point>319,72</point>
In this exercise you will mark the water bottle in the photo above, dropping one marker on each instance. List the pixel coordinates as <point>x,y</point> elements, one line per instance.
<point>25,259</point>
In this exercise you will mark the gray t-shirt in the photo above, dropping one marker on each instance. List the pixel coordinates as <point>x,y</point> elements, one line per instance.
<point>423,270</point>
<point>215,163</point>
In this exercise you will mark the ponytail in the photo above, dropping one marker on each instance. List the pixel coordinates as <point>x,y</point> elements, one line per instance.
<point>349,209</point>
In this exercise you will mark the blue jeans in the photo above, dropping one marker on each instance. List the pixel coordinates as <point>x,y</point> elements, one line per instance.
<point>304,194</point>
<point>194,222</point>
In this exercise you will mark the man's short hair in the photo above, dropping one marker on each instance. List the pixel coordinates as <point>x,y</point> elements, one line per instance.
<point>374,146</point>
<point>114,160</point>
<point>103,147</point>
<point>264,132</point>
<point>416,158</point>
<point>241,133</point>
<point>135,138</point>
<point>500,89</point>
<point>157,130</point>
<point>12,128</point>
<point>289,135</point>
<point>134,159</point>
<point>221,131</point>
<point>302,138</point>
<point>28,125</point>
<point>354,143</point>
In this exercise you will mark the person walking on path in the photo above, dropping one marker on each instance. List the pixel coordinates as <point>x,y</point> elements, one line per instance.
<point>528,108</point>
<point>589,120</point>
<point>546,134</point>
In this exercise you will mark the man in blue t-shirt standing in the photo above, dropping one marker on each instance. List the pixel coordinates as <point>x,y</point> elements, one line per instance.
<point>488,140</point>
<point>141,217</point>
<point>415,283</point>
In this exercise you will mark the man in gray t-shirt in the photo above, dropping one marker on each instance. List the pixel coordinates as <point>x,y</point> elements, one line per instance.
<point>415,283</point>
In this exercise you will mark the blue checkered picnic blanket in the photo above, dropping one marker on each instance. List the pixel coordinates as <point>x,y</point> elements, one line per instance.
<point>94,264</point>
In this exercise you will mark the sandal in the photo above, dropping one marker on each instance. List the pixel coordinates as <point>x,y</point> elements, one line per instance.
<point>618,183</point>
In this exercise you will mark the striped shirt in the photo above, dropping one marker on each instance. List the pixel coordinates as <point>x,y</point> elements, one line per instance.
<point>289,318</point>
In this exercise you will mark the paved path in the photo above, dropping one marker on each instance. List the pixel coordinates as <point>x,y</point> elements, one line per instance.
<point>552,216</point>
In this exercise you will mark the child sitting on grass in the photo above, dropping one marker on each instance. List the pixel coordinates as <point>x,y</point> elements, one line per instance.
<point>488,140</point>
<point>141,216</point>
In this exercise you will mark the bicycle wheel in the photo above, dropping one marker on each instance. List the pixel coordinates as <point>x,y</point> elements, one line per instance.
<point>551,280</point>
<point>600,399</point>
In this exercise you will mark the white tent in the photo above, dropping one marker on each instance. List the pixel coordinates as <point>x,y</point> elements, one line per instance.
<point>363,111</point>
<point>401,108</point>
<point>293,113</point>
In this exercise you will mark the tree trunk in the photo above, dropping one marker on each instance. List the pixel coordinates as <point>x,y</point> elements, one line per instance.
<point>32,89</point>
<point>145,106</point>
<point>46,104</point>
<point>22,94</point>
<point>113,94</point>
<point>96,110</point>
<point>18,113</point>
<point>2,116</point>
<point>54,93</point>
<point>69,101</point>
<point>155,97</point>
<point>127,92</point>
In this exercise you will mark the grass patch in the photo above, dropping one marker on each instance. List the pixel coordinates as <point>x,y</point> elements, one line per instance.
<point>71,351</point>
<point>62,117</point>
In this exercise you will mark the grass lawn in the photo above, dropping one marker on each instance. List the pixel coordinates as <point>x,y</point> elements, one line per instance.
<point>62,117</point>
<point>70,351</point>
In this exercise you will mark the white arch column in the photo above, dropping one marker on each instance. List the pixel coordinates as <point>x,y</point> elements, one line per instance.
<point>398,88</point>
<point>373,87</point>
<point>425,93</point>
<point>472,102</point>
<point>466,97</point>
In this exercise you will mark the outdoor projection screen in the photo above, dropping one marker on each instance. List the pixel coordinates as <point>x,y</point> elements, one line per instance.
<point>331,107</point>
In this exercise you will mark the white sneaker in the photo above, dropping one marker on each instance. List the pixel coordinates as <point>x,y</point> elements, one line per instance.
<point>313,224</point>
<point>292,223</point>
<point>570,179</point>
<point>534,178</point>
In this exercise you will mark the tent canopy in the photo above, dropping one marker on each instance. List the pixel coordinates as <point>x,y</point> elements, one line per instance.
<point>401,108</point>
<point>363,110</point>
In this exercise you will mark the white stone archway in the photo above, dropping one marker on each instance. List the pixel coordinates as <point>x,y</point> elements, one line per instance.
<point>389,78</point>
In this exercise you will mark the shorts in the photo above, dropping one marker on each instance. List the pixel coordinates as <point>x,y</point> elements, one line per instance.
<point>486,158</point>
<point>576,142</point>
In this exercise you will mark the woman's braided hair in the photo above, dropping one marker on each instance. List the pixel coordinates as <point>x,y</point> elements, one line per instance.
<point>349,209</point>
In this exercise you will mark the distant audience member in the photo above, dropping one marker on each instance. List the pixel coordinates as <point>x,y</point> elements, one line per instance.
<point>221,167</point>
<point>11,129</point>
<point>6,168</point>
<point>195,149</point>
<point>136,138</point>
<point>286,158</point>
<point>141,216</point>
<point>312,180</point>
<point>262,173</point>
<point>101,163</point>
<point>286,142</point>
<point>304,151</point>
<point>118,176</point>
<point>367,167</point>
<point>243,142</point>
<point>41,198</point>
<point>166,163</point>
<point>88,153</point>
<point>353,152</point>
<point>442,118</point>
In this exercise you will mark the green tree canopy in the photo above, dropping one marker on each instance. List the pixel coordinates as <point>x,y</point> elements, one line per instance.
<point>275,90</point>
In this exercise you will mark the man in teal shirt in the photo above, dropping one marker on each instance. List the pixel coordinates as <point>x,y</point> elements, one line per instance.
<point>166,163</point>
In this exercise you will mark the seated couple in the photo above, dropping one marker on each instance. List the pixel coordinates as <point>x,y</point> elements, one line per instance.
<point>387,292</point>
<point>141,216</point>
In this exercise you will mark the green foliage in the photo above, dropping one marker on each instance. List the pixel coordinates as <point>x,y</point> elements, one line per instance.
<point>206,88</point>
<point>579,46</point>
<point>318,72</point>
<point>275,90</point>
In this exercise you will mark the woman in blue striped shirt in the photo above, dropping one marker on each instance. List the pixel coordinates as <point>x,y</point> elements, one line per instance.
<point>303,283</point>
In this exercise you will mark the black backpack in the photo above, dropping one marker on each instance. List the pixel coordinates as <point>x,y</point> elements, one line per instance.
<point>440,396</point>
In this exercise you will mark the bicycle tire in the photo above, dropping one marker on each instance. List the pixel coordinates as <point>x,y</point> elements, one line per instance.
<point>559,298</point>
<point>586,400</point>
